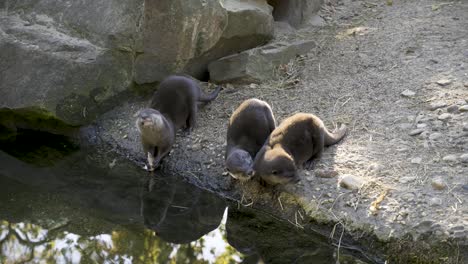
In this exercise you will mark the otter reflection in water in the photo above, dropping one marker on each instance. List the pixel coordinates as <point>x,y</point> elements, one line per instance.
<point>179,212</point>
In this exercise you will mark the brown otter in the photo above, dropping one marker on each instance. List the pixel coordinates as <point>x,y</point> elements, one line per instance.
<point>173,106</point>
<point>297,140</point>
<point>249,127</point>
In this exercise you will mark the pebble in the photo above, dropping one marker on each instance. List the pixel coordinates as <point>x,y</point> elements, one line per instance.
<point>417,160</point>
<point>406,179</point>
<point>435,202</point>
<point>310,178</point>
<point>416,132</point>
<point>422,125</point>
<point>408,197</point>
<point>435,136</point>
<point>466,84</point>
<point>351,182</point>
<point>464,158</point>
<point>408,93</point>
<point>195,147</point>
<point>438,184</point>
<point>253,85</point>
<point>453,109</point>
<point>450,158</point>
<point>444,116</point>
<point>444,82</point>
<point>463,108</point>
<point>465,127</point>
<point>436,105</point>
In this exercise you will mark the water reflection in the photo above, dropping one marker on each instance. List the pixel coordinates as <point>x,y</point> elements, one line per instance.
<point>78,209</point>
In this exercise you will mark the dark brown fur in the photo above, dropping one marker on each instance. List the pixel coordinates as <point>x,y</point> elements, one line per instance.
<point>297,140</point>
<point>173,106</point>
<point>177,99</point>
<point>249,127</point>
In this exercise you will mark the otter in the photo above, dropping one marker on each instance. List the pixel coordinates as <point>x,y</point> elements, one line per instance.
<point>249,127</point>
<point>296,141</point>
<point>173,106</point>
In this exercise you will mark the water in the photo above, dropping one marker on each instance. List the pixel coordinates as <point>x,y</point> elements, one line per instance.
<point>62,204</point>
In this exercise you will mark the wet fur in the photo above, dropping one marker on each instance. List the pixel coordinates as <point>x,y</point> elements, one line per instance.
<point>173,106</point>
<point>297,140</point>
<point>249,127</point>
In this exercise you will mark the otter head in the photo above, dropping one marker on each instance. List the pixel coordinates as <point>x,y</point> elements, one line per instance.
<point>239,164</point>
<point>148,119</point>
<point>275,166</point>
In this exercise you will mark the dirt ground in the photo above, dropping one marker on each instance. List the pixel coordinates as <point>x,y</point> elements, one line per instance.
<point>396,73</point>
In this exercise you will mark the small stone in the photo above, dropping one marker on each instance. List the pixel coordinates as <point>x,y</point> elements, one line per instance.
<point>465,84</point>
<point>435,136</point>
<point>310,178</point>
<point>423,214</point>
<point>436,105</point>
<point>464,158</point>
<point>408,93</point>
<point>416,160</point>
<point>453,109</point>
<point>196,146</point>
<point>465,127</point>
<point>444,82</point>
<point>125,136</point>
<point>406,179</point>
<point>408,197</point>
<point>457,228</point>
<point>253,85</point>
<point>416,132</point>
<point>463,108</point>
<point>445,116</point>
<point>329,195</point>
<point>450,158</point>
<point>435,202</point>
<point>351,182</point>
<point>422,125</point>
<point>438,184</point>
<point>317,189</point>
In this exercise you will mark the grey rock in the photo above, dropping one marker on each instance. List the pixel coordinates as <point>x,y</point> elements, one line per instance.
<point>422,125</point>
<point>435,136</point>
<point>71,78</point>
<point>204,30</point>
<point>256,65</point>
<point>295,12</point>
<point>450,158</point>
<point>408,93</point>
<point>437,105</point>
<point>416,132</point>
<point>417,160</point>
<point>351,182</point>
<point>444,82</point>
<point>463,108</point>
<point>435,202</point>
<point>444,116</point>
<point>464,158</point>
<point>453,109</point>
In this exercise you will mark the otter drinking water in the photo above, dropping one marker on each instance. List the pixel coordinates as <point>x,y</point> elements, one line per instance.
<point>173,106</point>
<point>249,127</point>
<point>297,140</point>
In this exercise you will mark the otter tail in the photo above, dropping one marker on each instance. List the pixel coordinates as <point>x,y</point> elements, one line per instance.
<point>205,98</point>
<point>335,137</point>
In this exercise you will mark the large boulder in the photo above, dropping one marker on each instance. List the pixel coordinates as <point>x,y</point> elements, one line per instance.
<point>74,60</point>
<point>44,66</point>
<point>62,59</point>
<point>257,65</point>
<point>295,12</point>
<point>203,32</point>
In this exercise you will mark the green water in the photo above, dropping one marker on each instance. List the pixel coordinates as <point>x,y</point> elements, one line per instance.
<point>63,204</point>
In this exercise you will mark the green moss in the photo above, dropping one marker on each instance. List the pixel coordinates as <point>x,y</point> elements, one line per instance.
<point>33,118</point>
